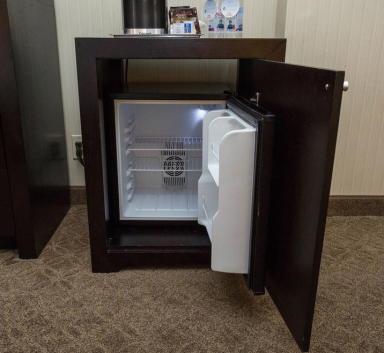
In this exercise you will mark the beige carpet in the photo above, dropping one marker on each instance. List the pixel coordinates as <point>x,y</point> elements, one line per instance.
<point>55,303</point>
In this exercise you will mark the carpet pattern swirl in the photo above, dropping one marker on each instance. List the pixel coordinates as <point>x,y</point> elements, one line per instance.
<point>56,304</point>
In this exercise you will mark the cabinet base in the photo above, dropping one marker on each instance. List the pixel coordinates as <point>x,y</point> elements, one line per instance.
<point>8,243</point>
<point>158,244</point>
<point>119,261</point>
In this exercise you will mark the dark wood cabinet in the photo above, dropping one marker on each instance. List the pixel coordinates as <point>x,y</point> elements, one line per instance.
<point>306,105</point>
<point>2,155</point>
<point>34,193</point>
<point>7,229</point>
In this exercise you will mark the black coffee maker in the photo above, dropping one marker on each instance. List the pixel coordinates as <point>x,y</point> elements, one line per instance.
<point>145,16</point>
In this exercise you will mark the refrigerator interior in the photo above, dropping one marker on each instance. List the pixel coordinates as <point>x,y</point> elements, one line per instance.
<point>159,149</point>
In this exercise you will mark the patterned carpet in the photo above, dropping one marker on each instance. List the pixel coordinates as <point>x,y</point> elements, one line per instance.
<point>55,303</point>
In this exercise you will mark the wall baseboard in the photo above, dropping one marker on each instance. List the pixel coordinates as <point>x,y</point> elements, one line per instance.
<point>338,205</point>
<point>77,195</point>
<point>356,206</point>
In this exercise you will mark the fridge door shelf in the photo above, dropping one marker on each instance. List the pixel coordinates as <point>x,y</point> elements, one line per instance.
<point>224,133</point>
<point>225,208</point>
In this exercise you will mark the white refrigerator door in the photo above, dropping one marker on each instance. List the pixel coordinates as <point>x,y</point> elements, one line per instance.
<point>225,189</point>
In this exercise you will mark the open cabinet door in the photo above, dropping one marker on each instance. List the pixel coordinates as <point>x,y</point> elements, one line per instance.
<point>306,102</point>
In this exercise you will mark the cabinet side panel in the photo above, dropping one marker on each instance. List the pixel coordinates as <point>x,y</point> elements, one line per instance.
<point>97,79</point>
<point>306,102</point>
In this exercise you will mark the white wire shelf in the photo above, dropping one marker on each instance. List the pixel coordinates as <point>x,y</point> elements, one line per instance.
<point>173,165</point>
<point>166,143</point>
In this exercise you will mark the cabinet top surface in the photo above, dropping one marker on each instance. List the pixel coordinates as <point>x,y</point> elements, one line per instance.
<point>177,48</point>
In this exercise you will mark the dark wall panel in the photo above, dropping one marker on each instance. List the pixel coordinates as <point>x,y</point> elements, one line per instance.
<point>2,155</point>
<point>14,183</point>
<point>7,232</point>
<point>34,41</point>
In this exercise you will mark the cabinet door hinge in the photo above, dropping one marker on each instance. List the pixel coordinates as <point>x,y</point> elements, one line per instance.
<point>255,99</point>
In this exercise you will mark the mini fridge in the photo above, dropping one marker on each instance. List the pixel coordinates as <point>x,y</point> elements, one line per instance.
<point>201,161</point>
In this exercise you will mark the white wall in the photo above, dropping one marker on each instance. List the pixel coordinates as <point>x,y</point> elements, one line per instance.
<point>347,35</point>
<point>100,18</point>
<point>262,16</point>
<point>338,34</point>
<point>80,18</point>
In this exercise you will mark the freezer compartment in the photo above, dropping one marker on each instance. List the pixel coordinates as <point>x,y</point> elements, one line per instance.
<point>159,149</point>
<point>226,189</point>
